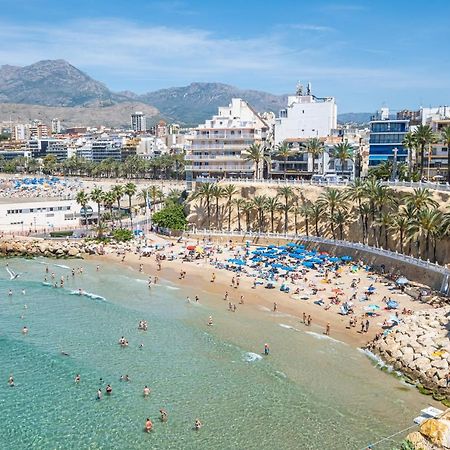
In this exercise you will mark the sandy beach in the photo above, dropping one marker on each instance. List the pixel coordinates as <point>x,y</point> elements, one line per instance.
<point>197,281</point>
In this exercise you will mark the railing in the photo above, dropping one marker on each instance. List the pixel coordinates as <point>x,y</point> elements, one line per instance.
<point>301,182</point>
<point>321,240</point>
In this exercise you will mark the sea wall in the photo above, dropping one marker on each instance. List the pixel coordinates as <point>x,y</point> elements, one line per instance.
<point>49,248</point>
<point>419,347</point>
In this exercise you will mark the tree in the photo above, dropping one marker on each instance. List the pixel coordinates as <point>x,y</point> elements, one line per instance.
<point>420,199</point>
<point>217,194</point>
<point>410,143</point>
<point>284,151</point>
<point>255,154</point>
<point>109,198</point>
<point>330,200</point>
<point>239,203</point>
<point>445,134</point>
<point>272,206</point>
<point>247,209</point>
<point>228,192</point>
<point>342,152</point>
<point>399,224</point>
<point>427,224</point>
<point>423,136</point>
<point>259,203</point>
<point>97,196</point>
<point>172,217</point>
<point>315,147</point>
<point>305,212</point>
<point>49,163</point>
<point>287,193</point>
<point>130,189</point>
<point>205,192</point>
<point>83,199</point>
<point>356,192</point>
<point>340,219</point>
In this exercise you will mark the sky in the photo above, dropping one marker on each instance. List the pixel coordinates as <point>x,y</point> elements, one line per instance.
<point>367,54</point>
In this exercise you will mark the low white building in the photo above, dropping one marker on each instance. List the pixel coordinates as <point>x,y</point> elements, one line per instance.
<point>306,116</point>
<point>31,215</point>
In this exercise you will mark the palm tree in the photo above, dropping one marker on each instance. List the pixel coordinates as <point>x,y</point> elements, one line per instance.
<point>423,136</point>
<point>239,203</point>
<point>357,192</point>
<point>272,206</point>
<point>330,200</point>
<point>445,134</point>
<point>419,199</point>
<point>284,151</point>
<point>228,191</point>
<point>82,199</point>
<point>428,224</point>
<point>205,192</point>
<point>384,223</point>
<point>218,193</point>
<point>109,198</point>
<point>255,154</point>
<point>259,203</point>
<point>97,195</point>
<point>399,224</point>
<point>129,190</point>
<point>410,143</point>
<point>315,147</point>
<point>341,217</point>
<point>343,152</point>
<point>247,209</point>
<point>305,212</point>
<point>287,193</point>
<point>118,192</point>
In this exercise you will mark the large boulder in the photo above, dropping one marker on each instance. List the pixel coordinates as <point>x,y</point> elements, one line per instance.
<point>418,441</point>
<point>73,252</point>
<point>437,431</point>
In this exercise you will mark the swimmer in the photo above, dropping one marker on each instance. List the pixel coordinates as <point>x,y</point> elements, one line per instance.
<point>148,425</point>
<point>210,321</point>
<point>196,299</point>
<point>147,391</point>
<point>23,292</point>
<point>188,300</point>
<point>80,291</point>
<point>197,424</point>
<point>241,301</point>
<point>141,267</point>
<point>266,349</point>
<point>109,389</point>
<point>163,415</point>
<point>99,394</point>
<point>77,378</point>
<point>11,381</point>
<point>141,346</point>
<point>10,293</point>
<point>98,268</point>
<point>25,306</point>
<point>24,330</point>
<point>126,378</point>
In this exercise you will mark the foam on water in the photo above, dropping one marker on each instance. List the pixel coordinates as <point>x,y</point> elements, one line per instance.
<point>172,288</point>
<point>264,308</point>
<point>62,266</point>
<point>88,294</point>
<point>378,361</point>
<point>324,337</point>
<point>252,357</point>
<point>288,327</point>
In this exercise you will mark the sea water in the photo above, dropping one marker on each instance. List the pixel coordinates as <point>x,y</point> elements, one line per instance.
<point>309,393</point>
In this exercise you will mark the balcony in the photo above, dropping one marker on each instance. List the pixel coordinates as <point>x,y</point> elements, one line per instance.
<point>230,137</point>
<point>220,168</point>
<point>215,157</point>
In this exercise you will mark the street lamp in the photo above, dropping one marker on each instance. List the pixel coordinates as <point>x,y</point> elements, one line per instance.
<point>394,164</point>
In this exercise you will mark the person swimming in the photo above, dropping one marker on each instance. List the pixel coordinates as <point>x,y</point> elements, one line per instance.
<point>99,394</point>
<point>148,425</point>
<point>109,389</point>
<point>24,330</point>
<point>147,391</point>
<point>77,378</point>
<point>11,381</point>
<point>163,415</point>
<point>197,424</point>
<point>210,321</point>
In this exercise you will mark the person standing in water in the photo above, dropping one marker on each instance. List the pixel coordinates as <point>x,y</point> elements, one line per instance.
<point>163,415</point>
<point>148,425</point>
<point>77,378</point>
<point>146,391</point>
<point>11,381</point>
<point>99,394</point>
<point>266,349</point>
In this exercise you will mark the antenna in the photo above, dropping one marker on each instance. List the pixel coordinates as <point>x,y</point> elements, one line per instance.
<point>308,88</point>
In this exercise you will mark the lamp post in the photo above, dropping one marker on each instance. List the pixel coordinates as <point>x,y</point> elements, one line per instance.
<point>394,164</point>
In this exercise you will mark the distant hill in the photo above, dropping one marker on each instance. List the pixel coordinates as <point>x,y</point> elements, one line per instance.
<point>53,83</point>
<point>58,84</point>
<point>359,118</point>
<point>197,102</point>
<point>117,115</point>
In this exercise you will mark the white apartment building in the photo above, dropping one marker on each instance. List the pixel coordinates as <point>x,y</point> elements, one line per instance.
<point>216,147</point>
<point>138,122</point>
<point>306,116</point>
<point>56,126</point>
<point>151,146</point>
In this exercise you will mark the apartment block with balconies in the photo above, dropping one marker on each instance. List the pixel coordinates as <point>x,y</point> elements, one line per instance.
<point>216,148</point>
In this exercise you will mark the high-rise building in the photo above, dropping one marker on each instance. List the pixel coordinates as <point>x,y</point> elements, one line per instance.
<point>217,146</point>
<point>138,122</point>
<point>386,138</point>
<point>306,116</point>
<point>56,126</point>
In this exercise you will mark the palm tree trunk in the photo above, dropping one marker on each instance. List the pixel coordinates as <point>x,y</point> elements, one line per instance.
<point>285,168</point>
<point>307,226</point>
<point>317,227</point>
<point>229,215</point>
<point>401,241</point>
<point>247,220</point>
<point>208,212</point>
<point>239,218</point>
<point>271,221</point>
<point>120,215</point>
<point>131,214</point>
<point>99,220</point>
<point>422,157</point>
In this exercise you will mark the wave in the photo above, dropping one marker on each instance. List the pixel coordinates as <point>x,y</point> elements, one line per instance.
<point>280,374</point>
<point>173,288</point>
<point>324,336</point>
<point>264,308</point>
<point>62,266</point>
<point>252,357</point>
<point>289,327</point>
<point>45,283</point>
<point>379,362</point>
<point>88,294</point>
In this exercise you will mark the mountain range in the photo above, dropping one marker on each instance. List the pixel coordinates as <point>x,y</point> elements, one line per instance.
<point>55,88</point>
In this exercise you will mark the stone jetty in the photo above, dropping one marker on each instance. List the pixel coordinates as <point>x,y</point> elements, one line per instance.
<point>419,347</point>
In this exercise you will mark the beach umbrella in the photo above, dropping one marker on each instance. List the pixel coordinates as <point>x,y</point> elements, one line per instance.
<point>333,259</point>
<point>199,249</point>
<point>402,280</point>
<point>190,247</point>
<point>371,307</point>
<point>371,288</point>
<point>392,304</point>
<point>238,262</point>
<point>346,258</point>
<point>308,264</point>
<point>271,246</point>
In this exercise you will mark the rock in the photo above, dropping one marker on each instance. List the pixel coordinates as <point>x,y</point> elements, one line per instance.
<point>422,364</point>
<point>418,441</point>
<point>440,364</point>
<point>437,431</point>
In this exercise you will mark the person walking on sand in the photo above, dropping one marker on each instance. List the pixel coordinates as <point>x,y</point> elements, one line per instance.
<point>367,326</point>
<point>275,306</point>
<point>327,330</point>
<point>226,296</point>
<point>308,321</point>
<point>304,318</point>
<point>241,301</point>
<point>266,349</point>
<point>213,277</point>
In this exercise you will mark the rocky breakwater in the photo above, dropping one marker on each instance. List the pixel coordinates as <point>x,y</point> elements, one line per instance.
<point>49,248</point>
<point>419,347</point>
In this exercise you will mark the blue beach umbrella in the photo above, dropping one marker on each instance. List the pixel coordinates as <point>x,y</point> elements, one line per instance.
<point>333,259</point>
<point>346,258</point>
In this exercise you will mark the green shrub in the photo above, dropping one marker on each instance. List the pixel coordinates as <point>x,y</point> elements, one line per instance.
<point>122,234</point>
<point>171,216</point>
<point>61,233</point>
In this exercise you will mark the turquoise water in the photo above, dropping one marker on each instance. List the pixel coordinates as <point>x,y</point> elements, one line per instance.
<point>310,393</point>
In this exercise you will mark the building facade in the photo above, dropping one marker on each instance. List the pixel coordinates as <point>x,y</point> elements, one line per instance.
<point>386,138</point>
<point>217,147</point>
<point>138,122</point>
